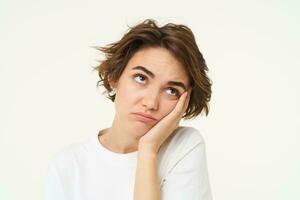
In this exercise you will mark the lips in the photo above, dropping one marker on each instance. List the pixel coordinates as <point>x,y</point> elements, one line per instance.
<point>145,116</point>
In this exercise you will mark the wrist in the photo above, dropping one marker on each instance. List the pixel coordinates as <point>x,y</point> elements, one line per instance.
<point>147,149</point>
<point>147,152</point>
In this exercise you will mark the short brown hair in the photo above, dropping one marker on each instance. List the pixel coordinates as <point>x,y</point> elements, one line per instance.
<point>176,38</point>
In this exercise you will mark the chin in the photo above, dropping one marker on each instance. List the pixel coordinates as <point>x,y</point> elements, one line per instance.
<point>140,131</point>
<point>138,128</point>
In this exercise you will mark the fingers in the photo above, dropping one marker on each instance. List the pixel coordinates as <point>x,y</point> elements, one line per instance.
<point>187,100</point>
<point>183,102</point>
<point>181,106</point>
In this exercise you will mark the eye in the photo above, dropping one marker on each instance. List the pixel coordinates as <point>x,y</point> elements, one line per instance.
<point>177,94</point>
<point>141,77</point>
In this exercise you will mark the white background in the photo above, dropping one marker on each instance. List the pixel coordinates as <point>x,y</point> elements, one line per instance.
<point>49,97</point>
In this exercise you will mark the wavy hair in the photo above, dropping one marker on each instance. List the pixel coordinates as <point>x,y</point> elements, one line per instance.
<point>178,39</point>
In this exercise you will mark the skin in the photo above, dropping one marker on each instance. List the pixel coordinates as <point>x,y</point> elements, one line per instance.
<point>147,179</point>
<point>153,97</point>
<point>147,95</point>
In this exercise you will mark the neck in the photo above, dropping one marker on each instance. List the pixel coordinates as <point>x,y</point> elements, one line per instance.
<point>118,140</point>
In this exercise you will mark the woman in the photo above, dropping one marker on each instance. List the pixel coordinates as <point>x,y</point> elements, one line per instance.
<point>155,76</point>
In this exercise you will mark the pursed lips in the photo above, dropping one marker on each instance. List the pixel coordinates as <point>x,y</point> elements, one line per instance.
<point>145,116</point>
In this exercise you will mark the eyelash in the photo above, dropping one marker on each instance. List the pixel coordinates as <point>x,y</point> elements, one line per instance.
<point>177,92</point>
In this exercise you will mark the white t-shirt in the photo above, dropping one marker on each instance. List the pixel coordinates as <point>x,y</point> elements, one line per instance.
<point>89,171</point>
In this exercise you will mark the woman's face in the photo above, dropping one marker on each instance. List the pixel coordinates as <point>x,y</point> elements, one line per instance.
<point>154,93</point>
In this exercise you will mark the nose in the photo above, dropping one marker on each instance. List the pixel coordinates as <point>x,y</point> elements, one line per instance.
<point>150,100</point>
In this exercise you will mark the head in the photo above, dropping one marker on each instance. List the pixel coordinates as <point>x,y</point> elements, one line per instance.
<point>150,67</point>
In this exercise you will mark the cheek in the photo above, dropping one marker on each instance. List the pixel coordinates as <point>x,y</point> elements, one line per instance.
<point>167,107</point>
<point>126,92</point>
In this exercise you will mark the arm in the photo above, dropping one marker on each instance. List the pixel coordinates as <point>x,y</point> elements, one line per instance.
<point>146,181</point>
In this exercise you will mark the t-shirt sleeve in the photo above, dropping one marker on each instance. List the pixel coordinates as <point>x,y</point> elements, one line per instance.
<point>53,186</point>
<point>189,177</point>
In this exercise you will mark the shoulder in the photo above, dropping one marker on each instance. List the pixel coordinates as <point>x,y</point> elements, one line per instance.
<point>187,134</point>
<point>183,141</point>
<point>67,158</point>
<point>183,138</point>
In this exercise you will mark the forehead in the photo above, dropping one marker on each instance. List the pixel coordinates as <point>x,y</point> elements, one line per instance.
<point>160,61</point>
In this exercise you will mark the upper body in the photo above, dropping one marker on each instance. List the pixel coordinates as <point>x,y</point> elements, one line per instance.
<point>158,76</point>
<point>89,171</point>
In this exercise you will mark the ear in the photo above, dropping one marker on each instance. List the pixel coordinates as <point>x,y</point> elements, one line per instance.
<point>113,84</point>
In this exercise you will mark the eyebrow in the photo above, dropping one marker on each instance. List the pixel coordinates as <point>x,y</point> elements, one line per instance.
<point>174,83</point>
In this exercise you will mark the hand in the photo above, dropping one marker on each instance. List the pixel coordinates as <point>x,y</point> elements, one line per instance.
<point>155,137</point>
